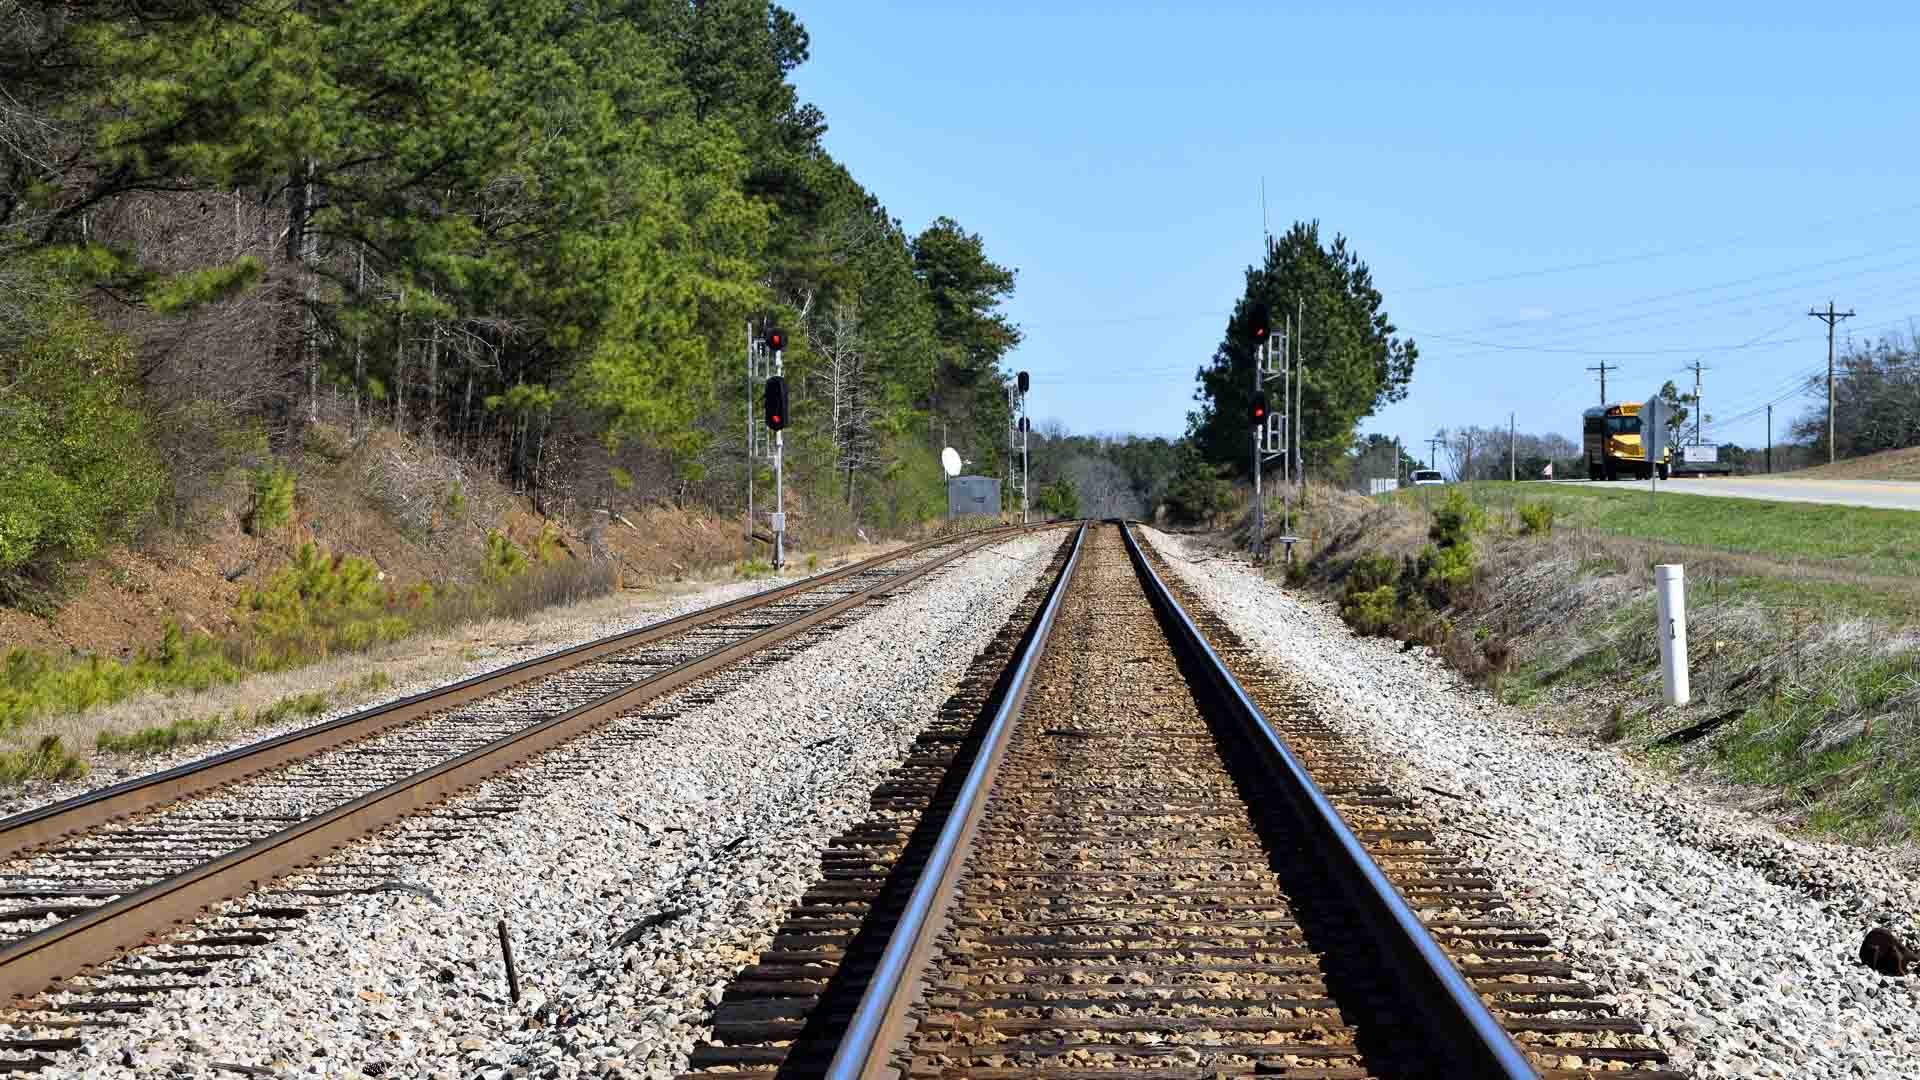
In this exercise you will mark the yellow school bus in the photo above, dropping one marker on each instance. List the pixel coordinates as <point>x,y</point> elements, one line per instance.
<point>1613,443</point>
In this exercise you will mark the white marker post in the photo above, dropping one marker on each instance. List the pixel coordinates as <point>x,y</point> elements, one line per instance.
<point>1670,603</point>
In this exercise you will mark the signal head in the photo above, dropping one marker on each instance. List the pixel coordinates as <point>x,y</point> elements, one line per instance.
<point>1023,382</point>
<point>776,338</point>
<point>776,403</point>
<point>1257,413</point>
<point>1262,318</point>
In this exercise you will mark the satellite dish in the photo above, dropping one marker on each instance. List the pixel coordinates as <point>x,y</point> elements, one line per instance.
<point>950,461</point>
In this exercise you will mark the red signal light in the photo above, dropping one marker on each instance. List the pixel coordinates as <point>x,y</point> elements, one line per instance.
<point>776,403</point>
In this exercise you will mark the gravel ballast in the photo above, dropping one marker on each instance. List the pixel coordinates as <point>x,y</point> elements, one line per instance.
<point>540,633</point>
<point>1737,944</point>
<point>686,833</point>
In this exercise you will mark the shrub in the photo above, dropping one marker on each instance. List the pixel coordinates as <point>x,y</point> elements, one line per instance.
<point>1372,612</point>
<point>1445,573</point>
<point>546,546</point>
<point>1536,519</point>
<point>80,472</point>
<point>1370,572</point>
<point>272,499</point>
<point>48,760</point>
<point>504,560</point>
<point>1457,520</point>
<point>319,605</point>
<point>1059,499</point>
<point>1370,600</point>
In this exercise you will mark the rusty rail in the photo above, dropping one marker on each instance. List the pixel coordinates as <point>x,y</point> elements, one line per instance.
<point>1463,1033</point>
<point>880,1018</point>
<point>26,831</point>
<point>28,966</point>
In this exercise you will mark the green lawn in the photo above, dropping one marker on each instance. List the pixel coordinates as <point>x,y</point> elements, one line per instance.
<point>1859,539</point>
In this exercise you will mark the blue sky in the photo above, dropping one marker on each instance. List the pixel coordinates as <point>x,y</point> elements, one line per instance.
<point>1535,193</point>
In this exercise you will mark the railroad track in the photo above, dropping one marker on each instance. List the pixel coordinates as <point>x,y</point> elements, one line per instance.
<point>88,878</point>
<point>1106,861</point>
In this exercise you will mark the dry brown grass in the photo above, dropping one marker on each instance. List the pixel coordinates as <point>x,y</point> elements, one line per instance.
<point>1886,465</point>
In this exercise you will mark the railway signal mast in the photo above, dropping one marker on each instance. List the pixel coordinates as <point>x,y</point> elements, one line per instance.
<point>775,402</point>
<point>1270,429</point>
<point>1017,448</point>
<point>1025,426</point>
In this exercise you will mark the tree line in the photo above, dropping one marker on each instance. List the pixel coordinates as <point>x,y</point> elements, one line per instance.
<point>529,232</point>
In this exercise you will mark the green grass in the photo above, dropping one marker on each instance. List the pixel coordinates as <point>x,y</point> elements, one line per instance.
<point>1863,539</point>
<point>47,760</point>
<point>33,684</point>
<point>186,732</point>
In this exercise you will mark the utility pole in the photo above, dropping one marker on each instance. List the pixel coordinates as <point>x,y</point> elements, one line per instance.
<point>1603,368</point>
<point>1769,438</point>
<point>1433,450</point>
<point>1697,413</point>
<point>1513,473</point>
<point>1830,317</point>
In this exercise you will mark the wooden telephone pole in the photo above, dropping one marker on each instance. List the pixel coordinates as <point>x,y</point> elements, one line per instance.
<point>1830,317</point>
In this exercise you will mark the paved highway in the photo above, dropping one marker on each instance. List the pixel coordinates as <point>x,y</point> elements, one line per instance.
<point>1886,494</point>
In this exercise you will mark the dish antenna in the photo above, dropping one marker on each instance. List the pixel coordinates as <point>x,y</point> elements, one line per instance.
<point>950,461</point>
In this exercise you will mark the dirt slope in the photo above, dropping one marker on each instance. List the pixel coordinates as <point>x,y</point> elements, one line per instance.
<point>416,514</point>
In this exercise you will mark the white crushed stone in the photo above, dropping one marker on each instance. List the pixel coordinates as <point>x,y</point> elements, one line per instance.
<point>722,813</point>
<point>560,628</point>
<point>1737,944</point>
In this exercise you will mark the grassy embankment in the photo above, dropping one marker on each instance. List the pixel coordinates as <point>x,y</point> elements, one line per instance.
<point>1804,623</point>
<point>319,607</point>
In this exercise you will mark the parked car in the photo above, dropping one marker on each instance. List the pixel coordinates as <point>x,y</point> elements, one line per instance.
<point>1426,476</point>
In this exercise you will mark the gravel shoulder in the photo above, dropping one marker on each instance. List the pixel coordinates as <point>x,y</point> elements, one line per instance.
<point>1738,944</point>
<point>694,827</point>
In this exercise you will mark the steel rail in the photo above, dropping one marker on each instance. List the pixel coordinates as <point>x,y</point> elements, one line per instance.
<point>24,832</point>
<point>882,1011</point>
<point>32,964</point>
<point>1465,1035</point>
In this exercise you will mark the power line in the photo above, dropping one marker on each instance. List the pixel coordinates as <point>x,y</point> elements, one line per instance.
<point>1642,256</point>
<point>1698,289</point>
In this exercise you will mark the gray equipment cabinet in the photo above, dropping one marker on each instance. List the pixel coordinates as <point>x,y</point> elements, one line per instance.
<point>973,495</point>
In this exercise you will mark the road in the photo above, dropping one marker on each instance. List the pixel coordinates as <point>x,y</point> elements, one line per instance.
<point>1885,494</point>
